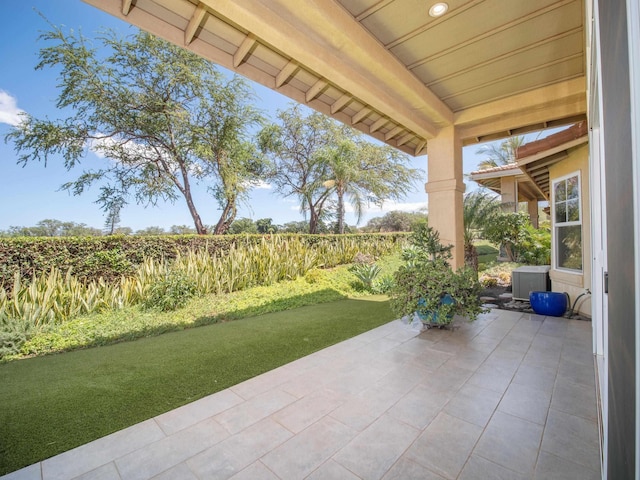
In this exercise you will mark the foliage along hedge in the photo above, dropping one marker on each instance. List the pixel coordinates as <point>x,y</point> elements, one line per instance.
<point>111,257</point>
<point>34,304</point>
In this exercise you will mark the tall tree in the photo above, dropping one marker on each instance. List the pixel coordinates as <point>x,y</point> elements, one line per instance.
<point>342,159</point>
<point>53,228</point>
<point>366,174</point>
<point>165,117</point>
<point>479,209</point>
<point>327,164</point>
<point>499,155</point>
<point>396,221</point>
<point>113,219</point>
<point>265,225</point>
<point>242,225</point>
<point>296,145</point>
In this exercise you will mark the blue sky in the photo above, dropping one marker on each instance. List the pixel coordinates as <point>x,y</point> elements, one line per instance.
<point>31,193</point>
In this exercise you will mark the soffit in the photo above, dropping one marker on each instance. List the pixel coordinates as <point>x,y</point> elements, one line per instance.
<point>494,68</point>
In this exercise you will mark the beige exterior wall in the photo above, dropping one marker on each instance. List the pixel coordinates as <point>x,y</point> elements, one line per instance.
<point>561,280</point>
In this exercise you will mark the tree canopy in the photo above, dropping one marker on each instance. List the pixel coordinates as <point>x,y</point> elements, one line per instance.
<point>499,155</point>
<point>395,221</point>
<point>324,164</point>
<point>52,228</point>
<point>164,117</point>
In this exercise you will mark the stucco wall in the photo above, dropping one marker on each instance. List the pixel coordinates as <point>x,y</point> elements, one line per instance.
<point>561,280</point>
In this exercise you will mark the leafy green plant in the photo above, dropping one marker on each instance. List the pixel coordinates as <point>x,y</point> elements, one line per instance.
<point>170,293</point>
<point>426,280</point>
<point>314,276</point>
<point>488,282</point>
<point>535,248</point>
<point>384,284</point>
<point>366,273</point>
<point>479,208</point>
<point>51,298</point>
<point>14,333</point>
<point>509,230</point>
<point>110,257</point>
<point>132,322</point>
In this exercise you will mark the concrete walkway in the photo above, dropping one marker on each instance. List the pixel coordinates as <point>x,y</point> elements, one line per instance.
<point>510,396</point>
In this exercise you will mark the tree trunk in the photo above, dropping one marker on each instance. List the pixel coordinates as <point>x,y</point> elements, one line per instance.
<point>471,256</point>
<point>340,210</point>
<point>226,218</point>
<point>186,192</point>
<point>200,228</point>
<point>313,223</point>
<point>509,251</point>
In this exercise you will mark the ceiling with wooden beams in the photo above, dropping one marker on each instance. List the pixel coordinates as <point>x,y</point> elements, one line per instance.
<point>493,68</point>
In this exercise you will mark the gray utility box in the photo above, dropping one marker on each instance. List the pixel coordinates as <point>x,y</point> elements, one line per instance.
<point>530,279</point>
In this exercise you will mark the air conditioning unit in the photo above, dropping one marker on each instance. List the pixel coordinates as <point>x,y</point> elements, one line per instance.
<point>530,279</point>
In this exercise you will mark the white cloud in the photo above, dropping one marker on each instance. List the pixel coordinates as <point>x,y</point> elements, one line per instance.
<point>9,111</point>
<point>261,185</point>
<point>98,145</point>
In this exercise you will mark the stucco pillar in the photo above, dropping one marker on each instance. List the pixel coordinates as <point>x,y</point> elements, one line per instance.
<point>445,188</point>
<point>533,212</point>
<point>509,194</point>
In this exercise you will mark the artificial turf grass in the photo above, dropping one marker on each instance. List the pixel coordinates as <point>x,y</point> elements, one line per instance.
<point>54,403</point>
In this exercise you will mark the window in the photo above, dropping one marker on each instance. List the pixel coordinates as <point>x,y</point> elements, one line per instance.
<point>567,217</point>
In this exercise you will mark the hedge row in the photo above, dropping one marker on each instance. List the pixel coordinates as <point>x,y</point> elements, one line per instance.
<point>112,257</point>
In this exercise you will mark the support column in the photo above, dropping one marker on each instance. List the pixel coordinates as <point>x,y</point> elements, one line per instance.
<point>445,188</point>
<point>533,212</point>
<point>509,194</point>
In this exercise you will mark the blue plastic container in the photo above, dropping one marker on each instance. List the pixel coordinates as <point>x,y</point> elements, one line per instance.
<point>432,317</point>
<point>552,304</point>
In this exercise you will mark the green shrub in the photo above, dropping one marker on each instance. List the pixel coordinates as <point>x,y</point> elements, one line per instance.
<point>427,278</point>
<point>170,293</point>
<point>50,298</point>
<point>488,282</point>
<point>108,264</point>
<point>13,334</point>
<point>384,284</point>
<point>536,247</point>
<point>314,276</point>
<point>109,257</point>
<point>366,273</point>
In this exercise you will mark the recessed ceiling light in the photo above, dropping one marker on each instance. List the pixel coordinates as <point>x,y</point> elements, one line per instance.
<point>438,9</point>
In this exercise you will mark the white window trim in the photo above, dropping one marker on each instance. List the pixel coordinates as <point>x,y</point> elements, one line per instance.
<point>554,236</point>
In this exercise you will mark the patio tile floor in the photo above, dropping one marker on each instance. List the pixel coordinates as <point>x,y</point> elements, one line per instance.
<point>510,396</point>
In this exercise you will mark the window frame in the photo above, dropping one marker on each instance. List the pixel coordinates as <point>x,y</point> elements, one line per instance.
<point>557,225</point>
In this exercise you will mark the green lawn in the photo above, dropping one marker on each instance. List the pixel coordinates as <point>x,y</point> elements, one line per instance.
<point>54,403</point>
<point>487,253</point>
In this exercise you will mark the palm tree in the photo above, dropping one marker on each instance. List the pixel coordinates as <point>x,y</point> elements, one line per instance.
<point>348,180</point>
<point>479,207</point>
<point>499,155</point>
<point>365,174</point>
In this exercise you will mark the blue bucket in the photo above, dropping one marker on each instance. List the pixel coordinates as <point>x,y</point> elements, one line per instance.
<point>552,304</point>
<point>432,317</point>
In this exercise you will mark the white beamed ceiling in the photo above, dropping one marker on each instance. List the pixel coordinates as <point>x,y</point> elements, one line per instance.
<point>493,68</point>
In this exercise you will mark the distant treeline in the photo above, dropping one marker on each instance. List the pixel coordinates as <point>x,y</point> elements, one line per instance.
<point>395,221</point>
